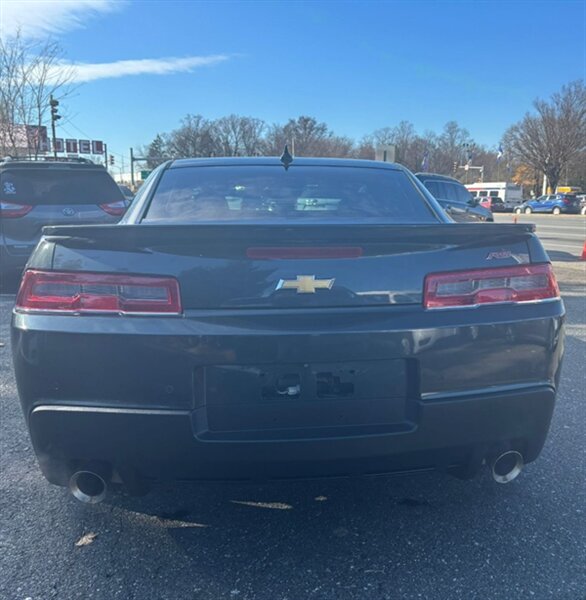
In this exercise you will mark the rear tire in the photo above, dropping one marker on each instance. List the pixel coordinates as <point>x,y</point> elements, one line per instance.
<point>556,211</point>
<point>518,211</point>
<point>528,211</point>
<point>583,211</point>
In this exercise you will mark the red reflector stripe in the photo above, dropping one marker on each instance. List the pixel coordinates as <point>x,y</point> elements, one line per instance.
<point>521,283</point>
<point>83,293</point>
<point>267,252</point>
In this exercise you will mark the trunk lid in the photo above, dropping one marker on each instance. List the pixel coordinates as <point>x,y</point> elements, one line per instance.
<point>302,266</point>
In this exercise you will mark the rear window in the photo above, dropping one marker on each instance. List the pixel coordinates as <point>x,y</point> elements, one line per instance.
<point>302,193</point>
<point>59,186</point>
<point>447,190</point>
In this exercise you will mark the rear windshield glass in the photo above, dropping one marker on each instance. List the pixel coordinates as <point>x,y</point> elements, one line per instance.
<point>59,186</point>
<point>270,193</point>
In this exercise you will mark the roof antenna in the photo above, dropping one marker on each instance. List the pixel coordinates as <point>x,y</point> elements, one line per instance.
<point>286,158</point>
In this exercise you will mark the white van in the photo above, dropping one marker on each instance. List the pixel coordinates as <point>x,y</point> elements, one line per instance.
<point>510,193</point>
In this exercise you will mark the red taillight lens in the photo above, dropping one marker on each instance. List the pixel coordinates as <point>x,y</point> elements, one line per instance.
<point>83,293</point>
<point>13,210</point>
<point>522,283</point>
<point>116,209</point>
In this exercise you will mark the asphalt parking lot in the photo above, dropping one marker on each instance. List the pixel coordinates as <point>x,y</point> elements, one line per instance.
<point>562,235</point>
<point>425,536</point>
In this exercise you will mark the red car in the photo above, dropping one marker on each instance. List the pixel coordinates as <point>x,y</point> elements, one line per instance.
<point>493,204</point>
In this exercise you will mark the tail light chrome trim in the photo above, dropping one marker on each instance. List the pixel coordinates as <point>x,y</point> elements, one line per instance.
<point>80,293</point>
<point>500,285</point>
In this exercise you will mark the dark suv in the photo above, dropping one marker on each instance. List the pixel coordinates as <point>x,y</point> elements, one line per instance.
<point>454,198</point>
<point>34,193</point>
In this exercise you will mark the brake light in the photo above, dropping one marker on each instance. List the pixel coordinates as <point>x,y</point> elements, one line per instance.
<point>83,293</point>
<point>521,283</point>
<point>283,252</point>
<point>12,210</point>
<point>117,209</point>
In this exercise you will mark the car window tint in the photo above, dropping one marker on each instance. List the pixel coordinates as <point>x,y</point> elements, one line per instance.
<point>435,188</point>
<point>59,186</point>
<point>301,193</point>
<point>451,191</point>
<point>462,194</point>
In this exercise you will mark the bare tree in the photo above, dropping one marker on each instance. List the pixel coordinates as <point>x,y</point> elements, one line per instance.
<point>30,73</point>
<point>553,136</point>
<point>194,138</point>
<point>238,136</point>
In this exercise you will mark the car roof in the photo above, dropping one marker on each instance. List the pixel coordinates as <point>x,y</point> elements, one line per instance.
<point>275,161</point>
<point>437,176</point>
<point>50,164</point>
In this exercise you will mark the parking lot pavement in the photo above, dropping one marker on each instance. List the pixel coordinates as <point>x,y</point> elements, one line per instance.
<point>562,235</point>
<point>427,536</point>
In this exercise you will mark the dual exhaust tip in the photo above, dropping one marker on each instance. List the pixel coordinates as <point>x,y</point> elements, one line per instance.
<point>507,466</point>
<point>90,487</point>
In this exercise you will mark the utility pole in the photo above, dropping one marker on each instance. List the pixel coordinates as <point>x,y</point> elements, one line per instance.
<point>55,116</point>
<point>106,156</point>
<point>132,168</point>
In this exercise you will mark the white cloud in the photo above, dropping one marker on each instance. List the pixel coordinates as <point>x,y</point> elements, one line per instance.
<point>83,72</point>
<point>38,18</point>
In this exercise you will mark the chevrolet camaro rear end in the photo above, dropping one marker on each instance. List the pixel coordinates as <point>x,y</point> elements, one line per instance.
<point>248,321</point>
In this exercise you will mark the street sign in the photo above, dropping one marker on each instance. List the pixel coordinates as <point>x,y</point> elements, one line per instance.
<point>144,174</point>
<point>386,153</point>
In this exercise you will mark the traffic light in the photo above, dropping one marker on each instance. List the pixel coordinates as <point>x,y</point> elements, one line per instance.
<point>111,160</point>
<point>55,116</point>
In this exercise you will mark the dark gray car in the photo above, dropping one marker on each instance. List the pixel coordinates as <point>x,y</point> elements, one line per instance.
<point>454,198</point>
<point>38,193</point>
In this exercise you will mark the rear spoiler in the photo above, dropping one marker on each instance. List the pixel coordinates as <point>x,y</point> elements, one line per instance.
<point>145,234</point>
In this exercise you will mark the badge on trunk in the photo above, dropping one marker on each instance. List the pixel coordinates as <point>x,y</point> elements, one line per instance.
<point>305,284</point>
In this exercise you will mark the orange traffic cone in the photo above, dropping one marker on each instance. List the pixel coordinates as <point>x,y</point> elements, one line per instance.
<point>583,257</point>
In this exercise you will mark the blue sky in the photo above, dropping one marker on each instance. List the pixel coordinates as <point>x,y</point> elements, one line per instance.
<point>356,65</point>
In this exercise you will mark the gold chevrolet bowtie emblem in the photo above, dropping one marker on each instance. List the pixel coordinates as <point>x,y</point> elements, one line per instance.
<point>305,284</point>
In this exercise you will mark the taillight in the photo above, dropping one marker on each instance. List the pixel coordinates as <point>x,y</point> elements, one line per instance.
<point>117,209</point>
<point>83,293</point>
<point>521,283</point>
<point>12,210</point>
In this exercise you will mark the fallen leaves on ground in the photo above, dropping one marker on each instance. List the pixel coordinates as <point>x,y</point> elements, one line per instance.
<point>86,540</point>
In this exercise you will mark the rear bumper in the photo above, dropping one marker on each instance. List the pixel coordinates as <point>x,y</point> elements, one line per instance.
<point>194,398</point>
<point>172,444</point>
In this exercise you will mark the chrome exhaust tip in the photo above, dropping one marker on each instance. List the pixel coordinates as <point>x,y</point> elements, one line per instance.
<point>88,487</point>
<point>507,466</point>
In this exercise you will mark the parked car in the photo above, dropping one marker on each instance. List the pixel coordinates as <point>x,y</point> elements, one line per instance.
<point>454,198</point>
<point>51,192</point>
<point>268,319</point>
<point>126,192</point>
<point>551,203</point>
<point>494,204</point>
